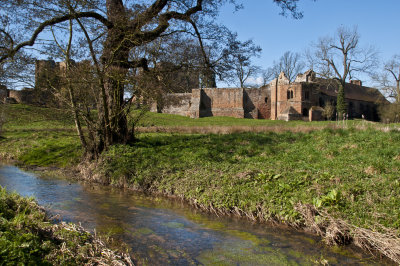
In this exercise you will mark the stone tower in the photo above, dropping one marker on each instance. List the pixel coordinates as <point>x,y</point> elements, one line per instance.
<point>46,74</point>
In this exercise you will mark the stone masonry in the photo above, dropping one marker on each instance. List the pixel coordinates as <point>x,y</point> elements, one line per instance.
<point>304,99</point>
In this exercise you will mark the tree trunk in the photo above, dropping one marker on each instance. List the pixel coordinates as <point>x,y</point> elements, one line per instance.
<point>115,56</point>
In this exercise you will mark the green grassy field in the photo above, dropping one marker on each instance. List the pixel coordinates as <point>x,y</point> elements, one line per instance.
<point>347,174</point>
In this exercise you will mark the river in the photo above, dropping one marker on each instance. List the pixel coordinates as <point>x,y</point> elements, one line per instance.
<point>162,231</point>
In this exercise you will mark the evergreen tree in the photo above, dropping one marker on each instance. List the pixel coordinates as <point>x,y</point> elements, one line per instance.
<point>341,103</point>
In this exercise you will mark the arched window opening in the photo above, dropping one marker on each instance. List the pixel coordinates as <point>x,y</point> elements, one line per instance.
<point>291,94</point>
<point>266,99</point>
<point>288,95</point>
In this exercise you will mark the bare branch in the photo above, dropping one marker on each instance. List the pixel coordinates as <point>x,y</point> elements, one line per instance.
<point>51,22</point>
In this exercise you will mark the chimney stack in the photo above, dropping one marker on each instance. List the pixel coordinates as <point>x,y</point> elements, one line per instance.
<point>356,82</point>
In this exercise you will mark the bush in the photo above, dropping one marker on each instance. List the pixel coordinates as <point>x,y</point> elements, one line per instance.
<point>329,111</point>
<point>390,113</point>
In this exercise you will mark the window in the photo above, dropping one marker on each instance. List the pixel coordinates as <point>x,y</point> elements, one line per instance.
<point>306,95</point>
<point>266,99</point>
<point>321,102</point>
<point>305,112</point>
<point>289,94</point>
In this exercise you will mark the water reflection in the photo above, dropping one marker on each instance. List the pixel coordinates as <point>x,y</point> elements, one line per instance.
<point>166,232</point>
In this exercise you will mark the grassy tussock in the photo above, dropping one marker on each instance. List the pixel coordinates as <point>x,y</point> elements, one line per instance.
<point>338,231</point>
<point>27,237</point>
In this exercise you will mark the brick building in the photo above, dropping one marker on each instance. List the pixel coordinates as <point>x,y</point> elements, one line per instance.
<point>304,99</point>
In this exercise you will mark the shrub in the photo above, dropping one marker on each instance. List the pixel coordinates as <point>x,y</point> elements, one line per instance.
<point>390,113</point>
<point>329,111</point>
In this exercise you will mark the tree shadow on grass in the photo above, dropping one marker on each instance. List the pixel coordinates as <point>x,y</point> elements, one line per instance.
<point>212,147</point>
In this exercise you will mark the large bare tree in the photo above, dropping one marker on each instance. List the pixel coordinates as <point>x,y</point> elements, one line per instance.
<point>111,31</point>
<point>389,79</point>
<point>290,63</point>
<point>341,58</point>
<point>237,59</point>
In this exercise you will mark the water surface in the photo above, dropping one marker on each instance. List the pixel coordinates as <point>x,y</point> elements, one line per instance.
<point>161,231</point>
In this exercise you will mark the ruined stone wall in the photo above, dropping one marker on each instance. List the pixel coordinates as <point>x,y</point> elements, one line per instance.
<point>25,96</point>
<point>283,104</point>
<point>195,100</point>
<point>46,74</point>
<point>222,102</point>
<point>257,103</point>
<point>357,108</point>
<point>3,93</point>
<point>274,98</point>
<point>309,97</point>
<point>293,100</point>
<point>278,95</point>
<point>316,113</point>
<point>177,103</point>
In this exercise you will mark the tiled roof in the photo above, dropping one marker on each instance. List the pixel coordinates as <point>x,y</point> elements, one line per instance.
<point>352,91</point>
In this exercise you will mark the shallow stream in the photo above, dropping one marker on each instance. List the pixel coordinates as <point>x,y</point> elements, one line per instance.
<point>161,231</point>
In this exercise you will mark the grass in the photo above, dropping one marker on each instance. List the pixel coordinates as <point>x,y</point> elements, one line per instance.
<point>304,174</point>
<point>22,117</point>
<point>28,238</point>
<point>169,120</point>
<point>39,136</point>
<point>345,175</point>
<point>352,174</point>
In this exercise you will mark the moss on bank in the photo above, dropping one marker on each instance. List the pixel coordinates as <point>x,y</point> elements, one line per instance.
<point>27,237</point>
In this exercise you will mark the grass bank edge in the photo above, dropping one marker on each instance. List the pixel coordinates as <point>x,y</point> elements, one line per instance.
<point>116,169</point>
<point>309,194</point>
<point>27,236</point>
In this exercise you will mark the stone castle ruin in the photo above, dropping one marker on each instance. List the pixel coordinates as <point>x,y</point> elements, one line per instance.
<point>47,75</point>
<point>304,99</point>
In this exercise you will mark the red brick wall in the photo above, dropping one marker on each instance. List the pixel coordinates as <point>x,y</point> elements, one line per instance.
<point>283,103</point>
<point>257,103</point>
<point>222,102</point>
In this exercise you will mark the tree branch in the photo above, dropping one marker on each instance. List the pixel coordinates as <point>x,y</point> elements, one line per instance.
<point>137,63</point>
<point>55,21</point>
<point>163,23</point>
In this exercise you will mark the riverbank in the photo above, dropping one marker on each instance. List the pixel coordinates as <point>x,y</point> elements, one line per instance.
<point>27,236</point>
<point>340,183</point>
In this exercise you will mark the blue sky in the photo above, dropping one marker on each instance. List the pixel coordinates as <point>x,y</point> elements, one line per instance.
<point>378,24</point>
